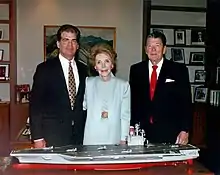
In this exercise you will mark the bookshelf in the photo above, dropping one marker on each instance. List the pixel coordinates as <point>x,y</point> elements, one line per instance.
<point>8,69</point>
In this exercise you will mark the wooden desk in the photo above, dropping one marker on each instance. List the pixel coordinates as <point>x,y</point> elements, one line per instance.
<point>195,169</point>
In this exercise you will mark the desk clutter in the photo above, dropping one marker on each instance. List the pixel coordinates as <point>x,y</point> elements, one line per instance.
<point>5,162</point>
<point>23,93</point>
<point>26,131</point>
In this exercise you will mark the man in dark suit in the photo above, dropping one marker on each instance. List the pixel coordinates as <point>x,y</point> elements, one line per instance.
<point>56,111</point>
<point>161,95</point>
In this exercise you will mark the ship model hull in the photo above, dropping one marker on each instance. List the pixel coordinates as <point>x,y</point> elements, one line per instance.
<point>108,156</point>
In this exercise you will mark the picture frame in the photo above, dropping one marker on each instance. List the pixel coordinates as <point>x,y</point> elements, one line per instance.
<point>157,30</point>
<point>218,75</point>
<point>197,58</point>
<point>4,72</point>
<point>218,61</point>
<point>198,36</point>
<point>23,93</point>
<point>1,54</point>
<point>193,88</point>
<point>1,34</point>
<point>90,35</point>
<point>178,55</point>
<point>200,76</point>
<point>201,94</point>
<point>179,37</point>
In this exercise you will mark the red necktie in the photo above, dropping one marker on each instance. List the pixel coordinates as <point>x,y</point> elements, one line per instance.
<point>153,82</point>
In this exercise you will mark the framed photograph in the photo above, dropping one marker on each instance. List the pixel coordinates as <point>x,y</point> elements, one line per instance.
<point>198,36</point>
<point>218,75</point>
<point>4,72</point>
<point>177,55</point>
<point>157,30</point>
<point>218,61</point>
<point>1,34</point>
<point>197,58</point>
<point>193,88</point>
<point>90,35</point>
<point>179,37</point>
<point>200,76</point>
<point>1,54</point>
<point>201,94</point>
<point>23,92</point>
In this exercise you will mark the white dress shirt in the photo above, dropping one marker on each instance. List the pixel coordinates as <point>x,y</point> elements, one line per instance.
<point>158,68</point>
<point>65,66</point>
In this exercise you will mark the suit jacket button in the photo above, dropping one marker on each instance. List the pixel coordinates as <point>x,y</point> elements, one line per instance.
<point>61,121</point>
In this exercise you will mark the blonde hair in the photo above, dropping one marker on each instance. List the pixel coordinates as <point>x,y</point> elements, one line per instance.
<point>102,48</point>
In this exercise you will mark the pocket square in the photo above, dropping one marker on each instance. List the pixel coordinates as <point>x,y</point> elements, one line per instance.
<point>169,80</point>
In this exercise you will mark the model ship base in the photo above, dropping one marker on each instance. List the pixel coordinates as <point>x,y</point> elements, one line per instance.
<point>110,157</point>
<point>100,167</point>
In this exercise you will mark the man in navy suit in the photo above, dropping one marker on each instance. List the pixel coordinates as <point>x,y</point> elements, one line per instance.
<point>161,95</point>
<point>56,114</point>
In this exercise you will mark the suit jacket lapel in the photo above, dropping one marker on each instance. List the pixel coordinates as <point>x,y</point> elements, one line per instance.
<point>62,82</point>
<point>161,79</point>
<point>147,80</point>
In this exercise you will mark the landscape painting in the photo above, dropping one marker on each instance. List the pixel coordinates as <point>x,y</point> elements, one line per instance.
<point>89,37</point>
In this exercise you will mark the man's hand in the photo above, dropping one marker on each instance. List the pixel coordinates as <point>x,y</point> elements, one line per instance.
<point>122,142</point>
<point>182,138</point>
<point>40,144</point>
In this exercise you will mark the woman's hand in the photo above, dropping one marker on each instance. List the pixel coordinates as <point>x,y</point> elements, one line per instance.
<point>123,142</point>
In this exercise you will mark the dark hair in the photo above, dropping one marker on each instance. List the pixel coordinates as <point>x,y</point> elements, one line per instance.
<point>102,48</point>
<point>68,28</point>
<point>157,34</point>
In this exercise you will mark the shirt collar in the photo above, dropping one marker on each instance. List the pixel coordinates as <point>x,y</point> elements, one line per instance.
<point>65,61</point>
<point>158,64</point>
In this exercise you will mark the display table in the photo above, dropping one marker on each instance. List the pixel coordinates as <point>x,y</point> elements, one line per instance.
<point>180,169</point>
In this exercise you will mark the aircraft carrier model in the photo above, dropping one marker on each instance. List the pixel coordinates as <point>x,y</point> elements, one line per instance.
<point>107,154</point>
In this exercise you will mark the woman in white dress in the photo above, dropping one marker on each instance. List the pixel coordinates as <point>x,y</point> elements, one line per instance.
<point>107,101</point>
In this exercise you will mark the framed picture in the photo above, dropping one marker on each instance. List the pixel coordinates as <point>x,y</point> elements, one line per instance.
<point>197,58</point>
<point>200,76</point>
<point>218,75</point>
<point>198,36</point>
<point>218,61</point>
<point>90,35</point>
<point>179,37</point>
<point>4,72</point>
<point>157,30</point>
<point>1,34</point>
<point>178,55</point>
<point>193,88</point>
<point>201,94</point>
<point>23,92</point>
<point>1,54</point>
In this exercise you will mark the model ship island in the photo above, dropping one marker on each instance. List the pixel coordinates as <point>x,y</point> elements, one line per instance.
<point>135,152</point>
<point>136,136</point>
